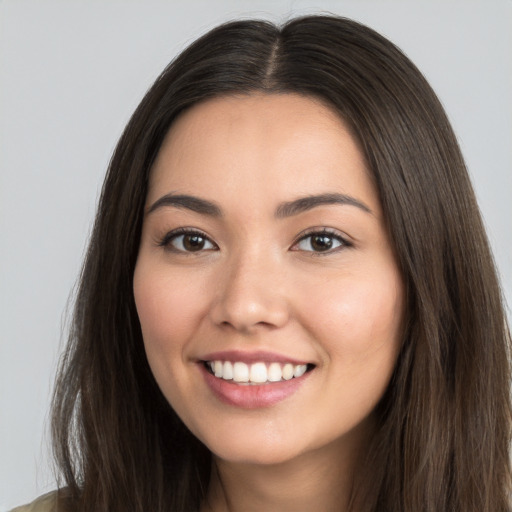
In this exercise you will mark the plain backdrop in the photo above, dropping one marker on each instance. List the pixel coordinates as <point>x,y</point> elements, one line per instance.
<point>72,72</point>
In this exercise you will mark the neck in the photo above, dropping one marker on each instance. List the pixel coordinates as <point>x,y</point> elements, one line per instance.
<point>321,479</point>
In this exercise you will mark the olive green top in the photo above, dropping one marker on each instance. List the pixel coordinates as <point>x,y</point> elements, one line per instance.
<point>45,503</point>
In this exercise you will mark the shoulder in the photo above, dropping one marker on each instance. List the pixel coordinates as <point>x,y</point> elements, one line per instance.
<point>45,503</point>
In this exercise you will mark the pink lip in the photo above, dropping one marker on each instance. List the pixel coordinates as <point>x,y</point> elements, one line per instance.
<point>250,396</point>
<point>250,357</point>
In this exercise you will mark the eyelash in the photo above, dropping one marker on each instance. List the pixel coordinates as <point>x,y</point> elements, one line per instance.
<point>166,241</point>
<point>326,232</point>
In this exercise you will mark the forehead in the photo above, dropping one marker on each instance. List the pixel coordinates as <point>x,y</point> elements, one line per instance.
<point>262,145</point>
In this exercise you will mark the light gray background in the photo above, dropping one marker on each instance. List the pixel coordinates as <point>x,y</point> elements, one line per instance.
<point>71,73</point>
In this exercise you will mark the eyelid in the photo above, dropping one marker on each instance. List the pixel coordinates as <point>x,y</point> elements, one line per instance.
<point>334,233</point>
<point>165,241</point>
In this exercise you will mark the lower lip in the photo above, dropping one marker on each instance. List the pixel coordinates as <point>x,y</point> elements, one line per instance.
<point>252,396</point>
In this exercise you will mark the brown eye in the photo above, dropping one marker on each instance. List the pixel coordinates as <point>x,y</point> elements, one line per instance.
<point>187,241</point>
<point>193,242</point>
<point>321,242</point>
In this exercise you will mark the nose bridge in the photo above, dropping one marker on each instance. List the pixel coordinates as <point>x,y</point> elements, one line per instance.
<point>251,291</point>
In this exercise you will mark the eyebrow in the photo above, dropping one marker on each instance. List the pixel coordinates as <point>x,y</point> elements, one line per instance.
<point>287,209</point>
<point>196,204</point>
<point>307,203</point>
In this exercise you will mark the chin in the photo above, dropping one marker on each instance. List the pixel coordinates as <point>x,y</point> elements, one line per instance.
<point>251,455</point>
<point>264,449</point>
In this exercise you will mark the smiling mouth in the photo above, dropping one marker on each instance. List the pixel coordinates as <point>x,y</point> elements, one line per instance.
<point>256,373</point>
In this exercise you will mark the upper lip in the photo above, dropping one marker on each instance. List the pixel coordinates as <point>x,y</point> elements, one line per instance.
<point>250,357</point>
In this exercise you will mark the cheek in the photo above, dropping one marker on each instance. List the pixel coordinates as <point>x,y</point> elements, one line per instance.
<point>359,317</point>
<point>167,309</point>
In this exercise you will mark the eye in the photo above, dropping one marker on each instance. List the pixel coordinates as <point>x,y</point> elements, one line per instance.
<point>320,241</point>
<point>186,240</point>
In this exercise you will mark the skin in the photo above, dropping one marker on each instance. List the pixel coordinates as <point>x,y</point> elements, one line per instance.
<point>258,284</point>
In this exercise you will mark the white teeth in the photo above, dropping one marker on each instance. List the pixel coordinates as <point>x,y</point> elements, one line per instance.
<point>300,370</point>
<point>275,374</point>
<point>217,368</point>
<point>256,373</point>
<point>227,370</point>
<point>240,372</point>
<point>287,371</point>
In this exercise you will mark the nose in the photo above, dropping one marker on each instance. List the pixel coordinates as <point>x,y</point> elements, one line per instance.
<point>251,295</point>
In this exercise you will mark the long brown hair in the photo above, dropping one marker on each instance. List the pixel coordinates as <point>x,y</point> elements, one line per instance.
<point>444,423</point>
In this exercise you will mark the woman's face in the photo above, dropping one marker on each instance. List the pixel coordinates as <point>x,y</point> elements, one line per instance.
<point>264,254</point>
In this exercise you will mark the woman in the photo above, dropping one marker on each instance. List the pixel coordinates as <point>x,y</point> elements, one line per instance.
<point>288,302</point>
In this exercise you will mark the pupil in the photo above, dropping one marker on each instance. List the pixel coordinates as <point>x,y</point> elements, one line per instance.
<point>321,242</point>
<point>193,242</point>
